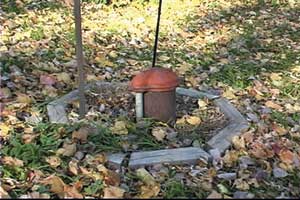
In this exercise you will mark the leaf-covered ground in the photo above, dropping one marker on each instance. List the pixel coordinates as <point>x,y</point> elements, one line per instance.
<point>249,51</point>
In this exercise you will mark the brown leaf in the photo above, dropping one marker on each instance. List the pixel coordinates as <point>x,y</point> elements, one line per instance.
<point>56,185</point>
<point>238,142</point>
<point>112,178</point>
<point>4,194</point>
<point>54,161</point>
<point>7,160</point>
<point>72,192</point>
<point>259,150</point>
<point>280,130</point>
<point>159,133</point>
<point>81,134</point>
<point>286,156</point>
<point>73,167</point>
<point>47,80</point>
<point>113,192</point>
<point>67,150</point>
<point>273,105</point>
<point>214,195</point>
<point>28,138</point>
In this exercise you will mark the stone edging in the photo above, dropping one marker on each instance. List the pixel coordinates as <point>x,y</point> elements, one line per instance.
<point>221,141</point>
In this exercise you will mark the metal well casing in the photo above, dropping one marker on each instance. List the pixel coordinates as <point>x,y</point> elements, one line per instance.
<point>160,106</point>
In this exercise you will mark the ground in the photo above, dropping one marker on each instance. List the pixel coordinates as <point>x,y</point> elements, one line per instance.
<point>248,51</point>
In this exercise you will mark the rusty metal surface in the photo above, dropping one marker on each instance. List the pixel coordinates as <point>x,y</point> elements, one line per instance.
<point>154,80</point>
<point>160,106</point>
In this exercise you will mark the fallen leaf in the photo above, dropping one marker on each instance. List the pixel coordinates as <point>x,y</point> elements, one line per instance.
<point>67,150</point>
<point>28,138</point>
<point>81,134</point>
<point>275,77</point>
<point>278,129</point>
<point>47,80</point>
<point>4,194</point>
<point>286,156</point>
<point>159,133</point>
<point>112,178</point>
<point>64,77</point>
<point>202,103</point>
<point>4,130</point>
<point>73,167</point>
<point>214,195</point>
<point>119,128</point>
<point>241,184</point>
<point>238,142</point>
<point>5,93</point>
<point>149,191</point>
<point>56,185</point>
<point>229,94</point>
<point>145,176</point>
<point>72,192</point>
<point>113,192</point>
<point>54,161</point>
<point>193,120</point>
<point>230,157</point>
<point>23,98</point>
<point>271,104</point>
<point>7,160</point>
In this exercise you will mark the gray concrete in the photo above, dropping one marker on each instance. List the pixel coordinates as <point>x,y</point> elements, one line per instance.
<point>187,155</point>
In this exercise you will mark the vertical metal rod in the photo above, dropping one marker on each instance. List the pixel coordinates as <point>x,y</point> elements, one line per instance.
<point>156,34</point>
<point>139,105</point>
<point>79,57</point>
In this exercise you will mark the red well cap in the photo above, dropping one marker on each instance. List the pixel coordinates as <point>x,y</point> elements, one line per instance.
<point>155,80</point>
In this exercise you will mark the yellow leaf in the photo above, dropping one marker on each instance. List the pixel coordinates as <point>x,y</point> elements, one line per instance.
<point>4,130</point>
<point>23,98</point>
<point>238,142</point>
<point>229,94</point>
<point>54,161</point>
<point>113,192</point>
<point>159,133</point>
<point>147,191</point>
<point>296,69</point>
<point>64,77</point>
<point>145,176</point>
<point>164,58</point>
<point>119,128</point>
<point>275,77</point>
<point>5,93</point>
<point>181,120</point>
<point>202,103</point>
<point>113,54</point>
<point>193,120</point>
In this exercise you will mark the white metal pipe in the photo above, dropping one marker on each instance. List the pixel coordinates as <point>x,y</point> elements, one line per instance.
<point>139,106</point>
